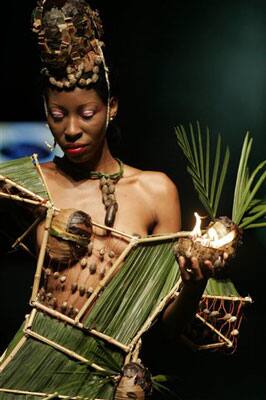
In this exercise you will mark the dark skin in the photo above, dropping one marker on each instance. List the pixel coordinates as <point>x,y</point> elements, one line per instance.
<point>148,201</point>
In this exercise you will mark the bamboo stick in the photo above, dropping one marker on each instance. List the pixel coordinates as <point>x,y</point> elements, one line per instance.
<point>154,314</point>
<point>51,396</point>
<point>228,342</point>
<point>63,349</point>
<point>38,167</point>
<point>230,298</point>
<point>22,200</point>
<point>22,188</point>
<point>20,238</point>
<point>13,353</point>
<point>169,236</point>
<point>106,279</point>
<point>113,230</point>
<point>135,354</point>
<point>39,394</point>
<point>41,256</point>
<point>79,325</point>
<point>204,346</point>
<point>30,318</point>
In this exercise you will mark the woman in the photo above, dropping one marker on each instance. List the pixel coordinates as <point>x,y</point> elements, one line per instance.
<point>89,183</point>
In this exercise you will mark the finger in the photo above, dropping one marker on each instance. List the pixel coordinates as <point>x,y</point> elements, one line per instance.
<point>208,268</point>
<point>185,275</point>
<point>195,266</point>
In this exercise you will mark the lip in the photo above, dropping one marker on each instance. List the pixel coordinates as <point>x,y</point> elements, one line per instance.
<point>75,149</point>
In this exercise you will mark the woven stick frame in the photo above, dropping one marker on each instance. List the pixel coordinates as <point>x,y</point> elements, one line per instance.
<point>44,395</point>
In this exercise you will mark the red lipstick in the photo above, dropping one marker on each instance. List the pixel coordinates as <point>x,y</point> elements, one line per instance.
<point>76,149</point>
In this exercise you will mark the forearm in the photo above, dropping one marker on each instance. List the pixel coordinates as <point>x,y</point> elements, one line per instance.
<point>181,311</point>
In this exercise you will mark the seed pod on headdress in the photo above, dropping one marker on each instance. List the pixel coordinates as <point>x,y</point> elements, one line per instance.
<point>69,34</point>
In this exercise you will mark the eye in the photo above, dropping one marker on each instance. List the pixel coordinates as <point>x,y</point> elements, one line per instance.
<point>87,114</point>
<point>57,115</point>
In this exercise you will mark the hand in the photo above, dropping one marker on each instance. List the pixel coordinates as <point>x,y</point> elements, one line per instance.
<point>193,271</point>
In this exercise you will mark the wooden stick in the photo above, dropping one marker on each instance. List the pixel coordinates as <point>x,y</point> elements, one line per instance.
<point>39,394</point>
<point>63,349</point>
<point>228,342</point>
<point>41,257</point>
<point>113,230</point>
<point>159,238</point>
<point>13,353</point>
<point>230,298</point>
<point>20,238</point>
<point>38,167</point>
<point>135,354</point>
<point>22,188</point>
<point>154,314</point>
<point>202,347</point>
<point>79,325</point>
<point>29,319</point>
<point>106,279</point>
<point>51,396</point>
<point>22,200</point>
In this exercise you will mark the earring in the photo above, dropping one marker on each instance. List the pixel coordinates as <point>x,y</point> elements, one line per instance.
<point>49,146</point>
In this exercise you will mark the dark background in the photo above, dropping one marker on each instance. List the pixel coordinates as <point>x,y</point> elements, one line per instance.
<point>177,61</point>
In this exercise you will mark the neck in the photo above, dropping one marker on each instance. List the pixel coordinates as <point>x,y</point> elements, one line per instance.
<point>105,163</point>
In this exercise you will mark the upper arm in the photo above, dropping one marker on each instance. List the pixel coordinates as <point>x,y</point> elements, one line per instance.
<point>166,205</point>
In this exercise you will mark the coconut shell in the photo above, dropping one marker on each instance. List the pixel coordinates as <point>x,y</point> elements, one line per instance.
<point>70,234</point>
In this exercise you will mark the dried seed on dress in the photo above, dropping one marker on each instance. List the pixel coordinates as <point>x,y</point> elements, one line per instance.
<point>75,311</point>
<point>90,248</point>
<point>56,275</point>
<point>74,287</point>
<point>235,332</point>
<point>102,271</point>
<point>81,290</point>
<point>53,302</point>
<point>47,272</point>
<point>89,292</point>
<point>93,268</point>
<point>63,306</point>
<point>83,262</point>
<point>49,295</point>
<point>111,254</point>
<point>62,278</point>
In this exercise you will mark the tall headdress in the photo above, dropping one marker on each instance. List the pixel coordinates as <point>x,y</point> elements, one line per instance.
<point>69,35</point>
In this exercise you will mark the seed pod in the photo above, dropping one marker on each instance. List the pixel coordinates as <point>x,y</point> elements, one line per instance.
<point>74,287</point>
<point>135,383</point>
<point>89,291</point>
<point>93,268</point>
<point>111,188</point>
<point>90,248</point>
<point>62,279</point>
<point>83,262</point>
<point>110,214</point>
<point>47,272</point>
<point>214,313</point>
<point>111,254</point>
<point>102,271</point>
<point>63,307</point>
<point>56,275</point>
<point>81,290</point>
<point>235,332</point>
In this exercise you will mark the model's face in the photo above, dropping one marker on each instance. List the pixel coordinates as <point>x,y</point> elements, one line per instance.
<point>77,120</point>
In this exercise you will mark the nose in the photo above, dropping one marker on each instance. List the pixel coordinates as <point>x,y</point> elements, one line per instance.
<point>72,130</point>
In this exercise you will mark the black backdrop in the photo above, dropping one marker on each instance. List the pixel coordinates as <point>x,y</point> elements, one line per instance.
<point>177,61</point>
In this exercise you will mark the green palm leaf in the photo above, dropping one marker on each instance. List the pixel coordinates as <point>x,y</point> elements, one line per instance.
<point>249,212</point>
<point>208,186</point>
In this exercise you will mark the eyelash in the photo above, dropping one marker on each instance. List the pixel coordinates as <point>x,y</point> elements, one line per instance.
<point>58,117</point>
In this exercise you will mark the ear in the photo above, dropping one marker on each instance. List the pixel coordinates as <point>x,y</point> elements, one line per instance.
<point>113,107</point>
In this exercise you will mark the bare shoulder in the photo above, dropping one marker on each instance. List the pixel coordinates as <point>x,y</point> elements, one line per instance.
<point>153,182</point>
